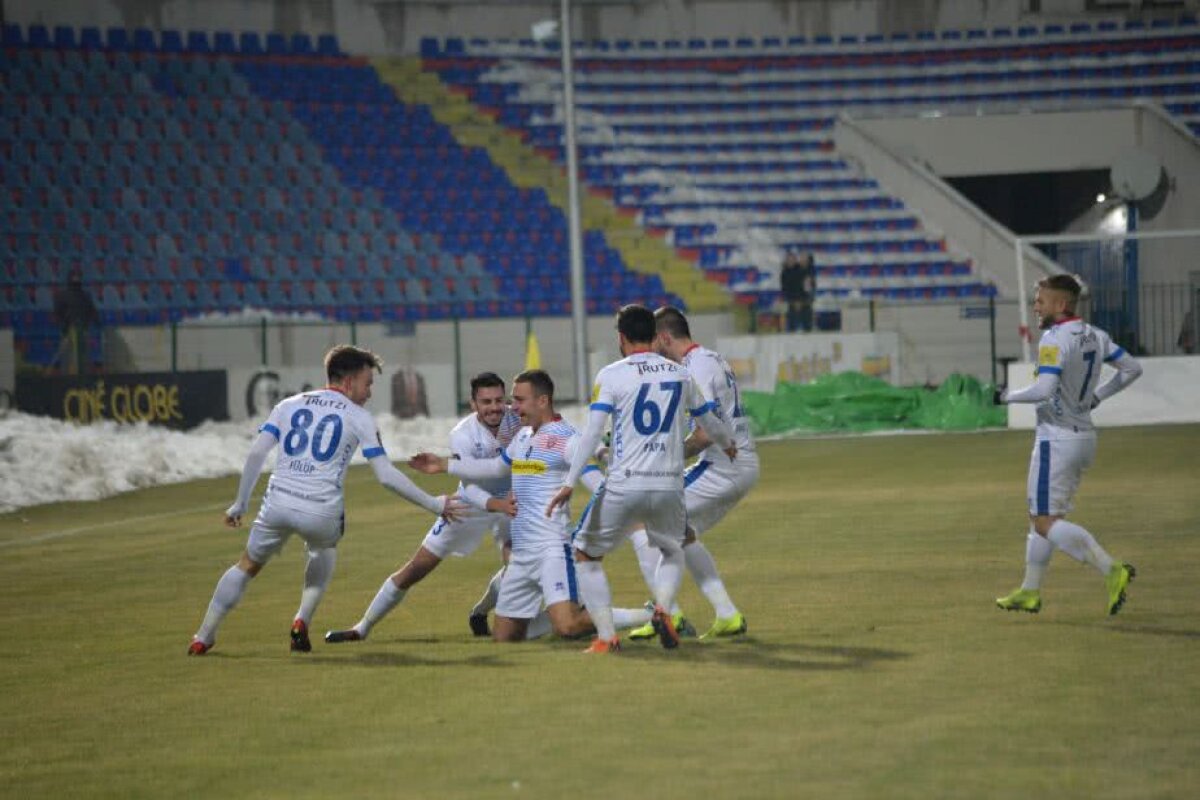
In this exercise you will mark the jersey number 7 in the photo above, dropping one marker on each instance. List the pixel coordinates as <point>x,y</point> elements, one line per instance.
<point>648,418</point>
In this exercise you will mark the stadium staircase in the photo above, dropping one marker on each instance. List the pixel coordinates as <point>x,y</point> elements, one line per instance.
<point>727,144</point>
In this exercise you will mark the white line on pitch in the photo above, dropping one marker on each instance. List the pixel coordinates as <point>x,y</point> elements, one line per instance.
<point>69,532</point>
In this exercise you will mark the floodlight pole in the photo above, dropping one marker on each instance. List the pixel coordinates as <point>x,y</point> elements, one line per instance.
<point>575,229</point>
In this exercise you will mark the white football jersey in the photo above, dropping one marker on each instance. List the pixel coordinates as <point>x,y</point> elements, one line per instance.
<point>472,439</point>
<point>717,382</point>
<point>1076,352</point>
<point>540,461</point>
<point>649,398</point>
<point>318,433</point>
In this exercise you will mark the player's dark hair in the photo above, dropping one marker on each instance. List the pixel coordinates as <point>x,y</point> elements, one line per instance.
<point>672,320</point>
<point>540,380</point>
<point>636,323</point>
<point>346,359</point>
<point>485,380</point>
<point>1063,283</point>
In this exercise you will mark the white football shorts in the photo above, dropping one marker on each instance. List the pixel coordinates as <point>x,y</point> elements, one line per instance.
<point>461,538</point>
<point>546,575</point>
<point>275,524</point>
<point>712,488</point>
<point>609,517</point>
<point>1054,472</point>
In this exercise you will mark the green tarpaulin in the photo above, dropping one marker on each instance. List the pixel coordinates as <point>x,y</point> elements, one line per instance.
<point>851,401</point>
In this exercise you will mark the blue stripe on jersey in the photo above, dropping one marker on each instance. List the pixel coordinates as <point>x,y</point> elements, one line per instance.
<point>1115,354</point>
<point>702,410</point>
<point>572,587</point>
<point>1049,370</point>
<point>371,452</point>
<point>695,472</point>
<point>589,468</point>
<point>504,455</point>
<point>269,428</point>
<point>587,510</point>
<point>605,407</point>
<point>1043,482</point>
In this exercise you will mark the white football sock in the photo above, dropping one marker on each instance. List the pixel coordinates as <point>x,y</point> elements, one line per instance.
<point>388,597</point>
<point>488,601</point>
<point>317,573</point>
<point>630,617</point>
<point>539,626</point>
<point>1038,550</point>
<point>647,556</point>
<point>704,571</point>
<point>1080,545</point>
<point>596,595</point>
<point>667,580</point>
<point>229,591</point>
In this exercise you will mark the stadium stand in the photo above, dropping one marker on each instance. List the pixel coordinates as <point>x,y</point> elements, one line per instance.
<point>727,145</point>
<point>197,172</point>
<point>184,180</point>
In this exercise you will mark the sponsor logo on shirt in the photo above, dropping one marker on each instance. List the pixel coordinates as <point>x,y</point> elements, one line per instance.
<point>528,466</point>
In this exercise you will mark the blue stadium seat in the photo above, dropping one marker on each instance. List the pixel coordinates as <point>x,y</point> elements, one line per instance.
<point>64,37</point>
<point>328,45</point>
<point>197,42</point>
<point>249,43</point>
<point>223,42</point>
<point>301,44</point>
<point>118,39</point>
<point>38,36</point>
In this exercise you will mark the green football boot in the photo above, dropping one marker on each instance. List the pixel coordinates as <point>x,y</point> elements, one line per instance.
<point>729,626</point>
<point>1117,580</point>
<point>682,627</point>
<point>1021,600</point>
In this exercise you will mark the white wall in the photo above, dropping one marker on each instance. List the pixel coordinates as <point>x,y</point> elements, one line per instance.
<point>942,208</point>
<point>378,26</point>
<point>496,345</point>
<point>938,340</point>
<point>1166,393</point>
<point>992,144</point>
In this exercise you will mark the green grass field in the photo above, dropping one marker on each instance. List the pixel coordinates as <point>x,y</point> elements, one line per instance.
<point>876,664</point>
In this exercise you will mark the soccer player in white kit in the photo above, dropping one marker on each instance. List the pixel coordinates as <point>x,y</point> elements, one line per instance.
<point>646,397</point>
<point>1071,355</point>
<point>540,569</point>
<point>482,435</point>
<point>318,432</point>
<point>713,485</point>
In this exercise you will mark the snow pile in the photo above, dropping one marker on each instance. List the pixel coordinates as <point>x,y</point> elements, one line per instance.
<point>45,460</point>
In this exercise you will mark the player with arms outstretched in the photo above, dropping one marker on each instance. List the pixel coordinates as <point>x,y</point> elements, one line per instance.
<point>1071,355</point>
<point>482,435</point>
<point>318,432</point>
<point>646,396</point>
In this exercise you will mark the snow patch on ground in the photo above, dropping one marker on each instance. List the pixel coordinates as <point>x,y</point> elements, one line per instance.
<point>45,460</point>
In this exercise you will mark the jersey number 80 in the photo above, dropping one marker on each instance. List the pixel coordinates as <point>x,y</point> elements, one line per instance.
<point>297,439</point>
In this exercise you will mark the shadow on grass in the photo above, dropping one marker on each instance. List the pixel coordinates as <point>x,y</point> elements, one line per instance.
<point>747,652</point>
<point>754,654</point>
<point>1142,630</point>
<point>392,658</point>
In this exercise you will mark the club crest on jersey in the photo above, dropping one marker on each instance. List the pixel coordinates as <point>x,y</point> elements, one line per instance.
<point>554,443</point>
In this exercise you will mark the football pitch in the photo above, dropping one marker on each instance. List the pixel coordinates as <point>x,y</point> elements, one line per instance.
<point>876,663</point>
